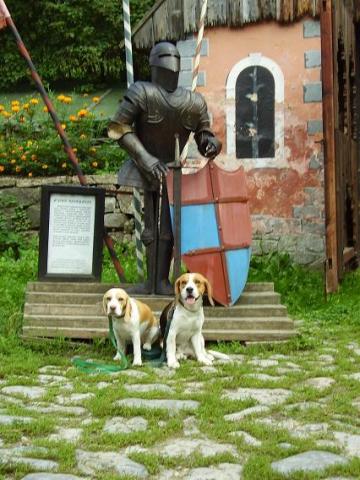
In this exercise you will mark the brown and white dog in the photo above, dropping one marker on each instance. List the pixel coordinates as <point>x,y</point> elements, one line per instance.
<point>186,314</point>
<point>133,321</point>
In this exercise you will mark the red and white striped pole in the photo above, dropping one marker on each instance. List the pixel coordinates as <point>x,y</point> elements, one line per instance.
<point>196,69</point>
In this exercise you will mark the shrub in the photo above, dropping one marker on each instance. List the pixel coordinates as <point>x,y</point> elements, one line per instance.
<point>30,145</point>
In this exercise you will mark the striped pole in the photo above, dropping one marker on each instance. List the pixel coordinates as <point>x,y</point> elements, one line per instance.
<point>67,147</point>
<point>136,197</point>
<point>196,69</point>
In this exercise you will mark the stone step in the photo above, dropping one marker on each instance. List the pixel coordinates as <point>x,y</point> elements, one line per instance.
<point>222,323</point>
<point>261,310</point>
<point>209,334</point>
<point>84,287</point>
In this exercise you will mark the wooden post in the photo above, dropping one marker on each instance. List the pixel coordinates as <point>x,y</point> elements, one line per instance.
<point>327,70</point>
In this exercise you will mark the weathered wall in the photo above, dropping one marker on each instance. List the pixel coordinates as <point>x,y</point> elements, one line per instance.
<point>287,191</point>
<point>118,214</point>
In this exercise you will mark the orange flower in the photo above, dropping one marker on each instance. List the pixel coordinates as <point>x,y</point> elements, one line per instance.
<point>23,157</point>
<point>22,119</point>
<point>15,108</point>
<point>94,164</point>
<point>34,157</point>
<point>63,126</point>
<point>67,100</point>
<point>21,148</point>
<point>15,102</point>
<point>63,165</point>
<point>61,97</point>
<point>82,136</point>
<point>29,143</point>
<point>2,168</point>
<point>82,113</point>
<point>75,150</point>
<point>6,114</point>
<point>96,99</point>
<point>34,101</point>
<point>45,109</point>
<point>30,174</point>
<point>2,108</point>
<point>18,169</point>
<point>92,150</point>
<point>13,161</point>
<point>26,106</point>
<point>44,167</point>
<point>72,118</point>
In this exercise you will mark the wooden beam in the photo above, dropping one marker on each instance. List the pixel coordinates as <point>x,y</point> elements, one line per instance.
<point>327,70</point>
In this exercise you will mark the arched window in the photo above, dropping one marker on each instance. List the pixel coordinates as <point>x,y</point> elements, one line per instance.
<point>255,112</point>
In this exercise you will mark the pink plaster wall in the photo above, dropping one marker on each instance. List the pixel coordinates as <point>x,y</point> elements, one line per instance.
<point>274,192</point>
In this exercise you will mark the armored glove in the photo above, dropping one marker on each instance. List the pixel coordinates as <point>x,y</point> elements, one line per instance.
<point>149,165</point>
<point>208,145</point>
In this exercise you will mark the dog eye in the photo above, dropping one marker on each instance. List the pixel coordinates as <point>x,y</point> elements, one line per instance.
<point>197,282</point>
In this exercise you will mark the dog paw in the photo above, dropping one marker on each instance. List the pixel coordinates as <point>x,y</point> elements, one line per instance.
<point>205,361</point>
<point>137,363</point>
<point>117,356</point>
<point>181,356</point>
<point>147,346</point>
<point>173,364</point>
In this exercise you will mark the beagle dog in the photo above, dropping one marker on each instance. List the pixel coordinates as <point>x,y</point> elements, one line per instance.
<point>132,321</point>
<point>183,319</point>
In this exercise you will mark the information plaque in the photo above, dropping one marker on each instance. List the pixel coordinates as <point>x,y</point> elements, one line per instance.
<point>71,233</point>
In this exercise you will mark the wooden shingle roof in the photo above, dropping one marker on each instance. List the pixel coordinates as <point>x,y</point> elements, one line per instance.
<point>174,19</point>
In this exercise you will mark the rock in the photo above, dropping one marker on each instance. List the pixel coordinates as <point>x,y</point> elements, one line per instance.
<point>34,463</point>
<point>223,471</point>
<point>264,396</point>
<point>302,406</point>
<point>92,462</point>
<point>51,369</point>
<point>74,398</point>
<point>354,376</point>
<point>51,476</point>
<point>264,363</point>
<point>285,445</point>
<point>115,220</point>
<point>264,377</point>
<point>234,417</point>
<point>71,435</point>
<point>150,387</point>
<point>311,461</point>
<point>102,385</point>
<point>180,447</point>
<point>190,427</point>
<point>295,428</point>
<point>32,393</point>
<point>193,387</point>
<point>172,406</point>
<point>51,379</point>
<point>130,373</point>
<point>208,370</point>
<point>326,358</point>
<point>320,383</point>
<point>10,419</point>
<point>349,442</point>
<point>248,439</point>
<point>125,425</point>
<point>52,408</point>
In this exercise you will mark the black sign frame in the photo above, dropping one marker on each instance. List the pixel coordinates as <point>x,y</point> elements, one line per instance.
<point>46,192</point>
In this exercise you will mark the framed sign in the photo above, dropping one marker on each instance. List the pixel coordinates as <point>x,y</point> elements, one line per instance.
<point>71,233</point>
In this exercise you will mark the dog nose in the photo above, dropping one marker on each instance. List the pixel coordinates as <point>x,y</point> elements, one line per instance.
<point>112,308</point>
<point>189,289</point>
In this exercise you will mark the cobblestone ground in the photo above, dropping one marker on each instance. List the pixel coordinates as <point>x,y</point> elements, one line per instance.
<point>261,415</point>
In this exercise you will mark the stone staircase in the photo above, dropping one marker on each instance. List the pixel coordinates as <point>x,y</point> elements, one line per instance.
<point>74,310</point>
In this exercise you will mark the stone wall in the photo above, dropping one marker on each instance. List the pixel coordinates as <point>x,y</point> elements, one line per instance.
<point>118,211</point>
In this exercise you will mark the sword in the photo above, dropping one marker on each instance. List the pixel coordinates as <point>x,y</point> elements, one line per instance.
<point>176,166</point>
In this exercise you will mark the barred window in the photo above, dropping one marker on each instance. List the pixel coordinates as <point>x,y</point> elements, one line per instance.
<point>255,113</point>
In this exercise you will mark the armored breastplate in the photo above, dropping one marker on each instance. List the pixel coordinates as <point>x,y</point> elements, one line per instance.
<point>167,114</point>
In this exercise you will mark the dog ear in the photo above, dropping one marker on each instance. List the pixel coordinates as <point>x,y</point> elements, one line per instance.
<point>208,288</point>
<point>128,309</point>
<point>177,287</point>
<point>105,303</point>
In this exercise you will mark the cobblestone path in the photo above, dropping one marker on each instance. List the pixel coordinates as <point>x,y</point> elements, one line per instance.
<point>271,413</point>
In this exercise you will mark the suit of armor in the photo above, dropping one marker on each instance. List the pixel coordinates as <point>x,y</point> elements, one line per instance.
<point>149,116</point>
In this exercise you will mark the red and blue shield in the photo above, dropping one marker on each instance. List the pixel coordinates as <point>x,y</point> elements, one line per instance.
<point>216,228</point>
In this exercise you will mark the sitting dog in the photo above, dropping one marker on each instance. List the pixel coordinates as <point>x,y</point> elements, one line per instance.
<point>184,318</point>
<point>132,321</point>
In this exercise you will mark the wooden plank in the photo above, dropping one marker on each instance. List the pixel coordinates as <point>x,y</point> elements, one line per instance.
<point>327,67</point>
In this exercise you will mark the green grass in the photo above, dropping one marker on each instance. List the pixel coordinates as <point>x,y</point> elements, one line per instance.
<point>329,326</point>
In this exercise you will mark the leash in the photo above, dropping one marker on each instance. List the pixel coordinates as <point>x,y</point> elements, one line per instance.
<point>156,357</point>
<point>88,366</point>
